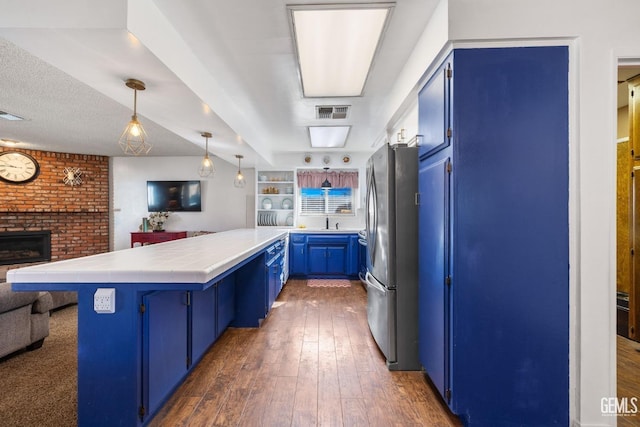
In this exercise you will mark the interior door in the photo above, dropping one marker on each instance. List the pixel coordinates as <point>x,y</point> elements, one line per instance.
<point>634,294</point>
<point>433,272</point>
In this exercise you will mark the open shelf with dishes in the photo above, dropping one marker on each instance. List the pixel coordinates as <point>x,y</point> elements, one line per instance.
<point>275,198</point>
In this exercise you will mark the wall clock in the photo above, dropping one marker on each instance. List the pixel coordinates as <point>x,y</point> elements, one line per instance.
<point>17,167</point>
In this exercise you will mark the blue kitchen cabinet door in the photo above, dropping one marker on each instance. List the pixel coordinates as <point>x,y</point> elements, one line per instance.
<point>336,260</point>
<point>164,351</point>
<point>353,257</point>
<point>203,322</point>
<point>298,258</point>
<point>225,309</point>
<point>434,117</point>
<point>327,260</point>
<point>433,271</point>
<point>273,282</point>
<point>317,259</point>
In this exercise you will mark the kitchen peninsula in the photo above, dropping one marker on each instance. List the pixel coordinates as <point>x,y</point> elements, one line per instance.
<point>146,315</point>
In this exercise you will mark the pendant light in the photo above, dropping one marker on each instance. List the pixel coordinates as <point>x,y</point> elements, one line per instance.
<point>134,139</point>
<point>206,167</point>
<point>239,182</point>
<point>326,184</point>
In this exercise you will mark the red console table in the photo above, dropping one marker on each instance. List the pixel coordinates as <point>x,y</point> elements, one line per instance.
<point>149,238</point>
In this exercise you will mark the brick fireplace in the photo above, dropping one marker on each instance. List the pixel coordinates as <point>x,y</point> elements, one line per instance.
<point>76,217</point>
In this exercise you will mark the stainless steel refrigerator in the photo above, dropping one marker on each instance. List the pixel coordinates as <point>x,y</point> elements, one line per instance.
<point>392,254</point>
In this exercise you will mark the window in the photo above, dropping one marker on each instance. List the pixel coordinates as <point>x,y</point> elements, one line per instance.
<point>332,201</point>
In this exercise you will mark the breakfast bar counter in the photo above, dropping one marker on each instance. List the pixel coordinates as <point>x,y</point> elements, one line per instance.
<point>146,315</point>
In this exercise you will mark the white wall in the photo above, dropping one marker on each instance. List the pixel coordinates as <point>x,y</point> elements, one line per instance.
<point>295,161</point>
<point>599,33</point>
<point>224,207</point>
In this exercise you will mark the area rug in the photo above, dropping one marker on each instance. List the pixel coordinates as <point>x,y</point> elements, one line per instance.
<point>328,283</point>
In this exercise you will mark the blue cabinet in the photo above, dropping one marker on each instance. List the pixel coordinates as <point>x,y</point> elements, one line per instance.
<point>493,235</point>
<point>273,281</point>
<point>275,255</point>
<point>165,346</point>
<point>326,260</point>
<point>318,255</point>
<point>435,117</point>
<point>225,308</point>
<point>352,266</point>
<point>251,293</point>
<point>298,254</point>
<point>204,312</point>
<point>178,328</point>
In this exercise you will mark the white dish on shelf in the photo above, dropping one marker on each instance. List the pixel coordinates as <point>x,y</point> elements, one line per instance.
<point>289,220</point>
<point>267,204</point>
<point>287,204</point>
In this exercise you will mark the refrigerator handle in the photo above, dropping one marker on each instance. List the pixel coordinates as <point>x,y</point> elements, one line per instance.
<point>372,214</point>
<point>371,281</point>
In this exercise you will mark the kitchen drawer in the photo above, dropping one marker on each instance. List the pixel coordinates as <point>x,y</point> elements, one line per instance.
<point>298,238</point>
<point>330,239</point>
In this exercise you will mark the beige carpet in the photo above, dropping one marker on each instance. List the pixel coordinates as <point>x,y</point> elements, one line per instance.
<point>39,388</point>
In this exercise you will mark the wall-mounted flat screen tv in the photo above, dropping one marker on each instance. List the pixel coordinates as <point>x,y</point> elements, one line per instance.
<point>174,196</point>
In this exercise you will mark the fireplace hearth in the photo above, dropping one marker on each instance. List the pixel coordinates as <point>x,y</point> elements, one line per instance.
<point>19,247</point>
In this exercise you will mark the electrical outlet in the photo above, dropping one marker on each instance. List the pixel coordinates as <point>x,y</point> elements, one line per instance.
<point>104,300</point>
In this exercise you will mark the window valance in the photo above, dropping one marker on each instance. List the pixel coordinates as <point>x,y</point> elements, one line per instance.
<point>337,178</point>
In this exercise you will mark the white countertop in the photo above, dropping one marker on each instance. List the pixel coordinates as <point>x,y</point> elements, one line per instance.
<point>191,260</point>
<point>325,231</point>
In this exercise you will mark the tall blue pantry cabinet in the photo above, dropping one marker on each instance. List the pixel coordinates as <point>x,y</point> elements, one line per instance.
<point>494,236</point>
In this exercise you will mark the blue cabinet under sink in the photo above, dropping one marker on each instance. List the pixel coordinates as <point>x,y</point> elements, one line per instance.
<point>323,255</point>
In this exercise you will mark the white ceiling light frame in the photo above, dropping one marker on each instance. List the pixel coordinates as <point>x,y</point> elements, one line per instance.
<point>328,136</point>
<point>336,45</point>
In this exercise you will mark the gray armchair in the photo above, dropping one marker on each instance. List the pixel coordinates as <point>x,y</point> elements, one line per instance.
<point>24,319</point>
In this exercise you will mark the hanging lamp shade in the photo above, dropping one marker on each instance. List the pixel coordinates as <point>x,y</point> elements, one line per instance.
<point>134,138</point>
<point>326,184</point>
<point>239,182</point>
<point>206,166</point>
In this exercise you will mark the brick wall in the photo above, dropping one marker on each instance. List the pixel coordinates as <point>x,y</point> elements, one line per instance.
<point>78,216</point>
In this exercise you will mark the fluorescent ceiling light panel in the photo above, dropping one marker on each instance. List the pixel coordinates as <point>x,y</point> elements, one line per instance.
<point>328,136</point>
<point>336,46</point>
<point>8,116</point>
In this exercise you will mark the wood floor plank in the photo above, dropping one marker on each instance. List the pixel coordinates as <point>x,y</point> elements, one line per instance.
<point>237,397</point>
<point>628,384</point>
<point>280,409</point>
<point>312,362</point>
<point>305,408</point>
<point>260,397</point>
<point>330,412</point>
<point>354,412</point>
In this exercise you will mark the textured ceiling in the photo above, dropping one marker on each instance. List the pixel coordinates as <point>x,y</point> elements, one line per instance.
<point>63,114</point>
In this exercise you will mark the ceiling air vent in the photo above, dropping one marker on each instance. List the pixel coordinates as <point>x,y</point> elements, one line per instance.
<point>332,111</point>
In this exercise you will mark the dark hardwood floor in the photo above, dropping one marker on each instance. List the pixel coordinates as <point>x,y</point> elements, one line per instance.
<point>312,362</point>
<point>628,376</point>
